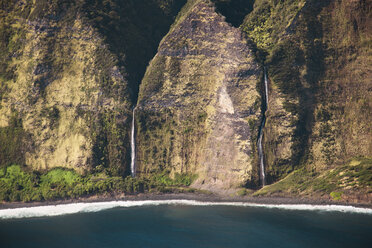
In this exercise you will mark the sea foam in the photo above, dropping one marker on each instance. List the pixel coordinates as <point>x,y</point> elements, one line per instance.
<point>73,208</point>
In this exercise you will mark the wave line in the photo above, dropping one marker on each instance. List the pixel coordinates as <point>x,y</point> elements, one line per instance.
<point>73,208</point>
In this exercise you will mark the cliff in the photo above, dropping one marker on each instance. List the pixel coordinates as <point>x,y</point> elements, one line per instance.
<point>319,65</point>
<point>198,107</point>
<point>71,73</point>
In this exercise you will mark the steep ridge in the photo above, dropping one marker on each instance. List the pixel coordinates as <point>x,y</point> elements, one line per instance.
<point>198,109</point>
<point>319,70</point>
<point>70,72</point>
<point>266,26</point>
<point>133,30</point>
<point>65,83</point>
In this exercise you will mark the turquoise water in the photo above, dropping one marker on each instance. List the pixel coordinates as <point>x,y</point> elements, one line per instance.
<point>190,226</point>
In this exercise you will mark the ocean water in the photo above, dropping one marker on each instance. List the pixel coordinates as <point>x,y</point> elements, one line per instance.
<point>185,224</point>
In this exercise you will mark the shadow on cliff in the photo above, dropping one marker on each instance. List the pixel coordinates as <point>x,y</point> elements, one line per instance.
<point>234,10</point>
<point>133,30</point>
<point>303,49</point>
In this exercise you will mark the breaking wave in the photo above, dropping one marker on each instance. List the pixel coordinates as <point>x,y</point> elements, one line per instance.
<point>73,208</point>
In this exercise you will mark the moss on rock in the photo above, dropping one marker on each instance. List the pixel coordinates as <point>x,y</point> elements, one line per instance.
<point>196,100</point>
<point>71,70</point>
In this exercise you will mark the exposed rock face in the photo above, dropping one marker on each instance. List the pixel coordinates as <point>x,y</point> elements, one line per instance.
<point>318,59</point>
<point>68,94</point>
<point>268,27</point>
<point>342,116</point>
<point>70,73</point>
<point>198,107</point>
<point>68,79</point>
<point>278,133</point>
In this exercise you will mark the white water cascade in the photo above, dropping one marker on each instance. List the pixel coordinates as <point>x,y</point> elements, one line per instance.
<point>260,135</point>
<point>260,152</point>
<point>133,147</point>
<point>266,90</point>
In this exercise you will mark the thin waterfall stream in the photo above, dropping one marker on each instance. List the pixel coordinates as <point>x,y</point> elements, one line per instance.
<point>266,90</point>
<point>260,132</point>
<point>133,147</point>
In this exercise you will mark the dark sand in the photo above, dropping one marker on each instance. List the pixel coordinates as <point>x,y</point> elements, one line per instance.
<point>186,196</point>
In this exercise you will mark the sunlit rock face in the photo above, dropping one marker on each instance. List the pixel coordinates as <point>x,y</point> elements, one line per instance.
<point>69,74</point>
<point>198,106</point>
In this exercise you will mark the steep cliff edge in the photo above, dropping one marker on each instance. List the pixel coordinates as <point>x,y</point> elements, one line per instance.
<point>199,107</point>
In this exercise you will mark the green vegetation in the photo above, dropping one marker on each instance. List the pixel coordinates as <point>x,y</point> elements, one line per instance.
<point>160,131</point>
<point>17,184</point>
<point>179,179</point>
<point>109,44</point>
<point>12,143</point>
<point>12,37</point>
<point>278,41</point>
<point>163,183</point>
<point>288,38</point>
<point>336,196</point>
<point>266,24</point>
<point>317,55</point>
<point>109,151</point>
<point>356,175</point>
<point>244,192</point>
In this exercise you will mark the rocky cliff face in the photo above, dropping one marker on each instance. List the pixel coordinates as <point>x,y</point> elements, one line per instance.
<point>270,27</point>
<point>199,106</point>
<point>65,90</point>
<point>66,83</point>
<point>317,58</point>
<point>342,114</point>
<point>70,75</point>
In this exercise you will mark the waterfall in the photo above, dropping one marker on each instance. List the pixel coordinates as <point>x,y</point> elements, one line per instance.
<point>266,90</point>
<point>260,152</point>
<point>133,147</point>
<point>260,132</point>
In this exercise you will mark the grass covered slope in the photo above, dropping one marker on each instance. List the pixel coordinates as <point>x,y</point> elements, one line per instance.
<point>198,106</point>
<point>350,182</point>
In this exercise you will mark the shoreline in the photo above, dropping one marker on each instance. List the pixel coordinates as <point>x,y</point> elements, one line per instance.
<point>200,197</point>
